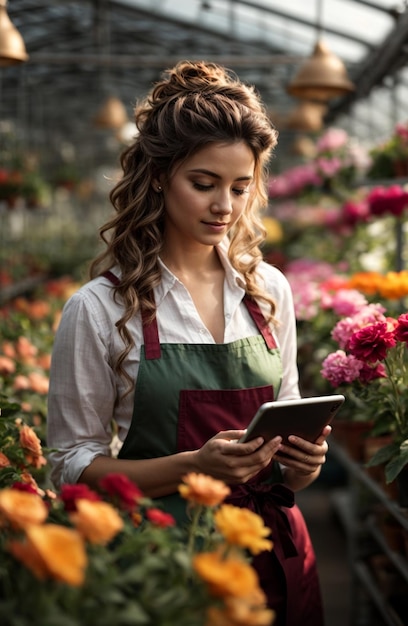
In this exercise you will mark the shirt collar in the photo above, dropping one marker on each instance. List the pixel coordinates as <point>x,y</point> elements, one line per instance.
<point>234,279</point>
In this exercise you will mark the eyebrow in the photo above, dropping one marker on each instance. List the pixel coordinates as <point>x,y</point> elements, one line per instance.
<point>214,175</point>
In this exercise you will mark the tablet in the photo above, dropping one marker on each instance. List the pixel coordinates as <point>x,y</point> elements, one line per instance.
<point>305,417</point>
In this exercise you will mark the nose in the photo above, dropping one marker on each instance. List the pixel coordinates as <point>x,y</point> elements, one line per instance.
<point>222,203</point>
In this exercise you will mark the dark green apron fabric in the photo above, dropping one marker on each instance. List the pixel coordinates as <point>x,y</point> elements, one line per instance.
<point>184,395</point>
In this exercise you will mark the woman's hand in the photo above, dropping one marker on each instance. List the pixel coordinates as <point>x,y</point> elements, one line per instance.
<point>303,460</point>
<point>225,459</point>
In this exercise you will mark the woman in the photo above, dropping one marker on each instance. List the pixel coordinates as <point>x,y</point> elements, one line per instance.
<point>183,331</point>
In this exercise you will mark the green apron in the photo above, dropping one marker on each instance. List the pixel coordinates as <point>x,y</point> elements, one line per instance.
<point>184,395</point>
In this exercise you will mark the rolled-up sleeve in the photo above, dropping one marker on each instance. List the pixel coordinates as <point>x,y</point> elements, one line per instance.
<point>82,390</point>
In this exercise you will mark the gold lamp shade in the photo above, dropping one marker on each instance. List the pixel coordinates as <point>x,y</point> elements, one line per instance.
<point>12,48</point>
<point>307,116</point>
<point>112,114</point>
<point>322,77</point>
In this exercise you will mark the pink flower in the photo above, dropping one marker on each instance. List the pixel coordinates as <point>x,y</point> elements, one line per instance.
<point>355,212</point>
<point>348,302</point>
<point>401,330</point>
<point>339,368</point>
<point>332,140</point>
<point>372,342</point>
<point>369,314</point>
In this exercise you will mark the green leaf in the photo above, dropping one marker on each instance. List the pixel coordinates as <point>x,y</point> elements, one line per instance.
<point>383,455</point>
<point>393,468</point>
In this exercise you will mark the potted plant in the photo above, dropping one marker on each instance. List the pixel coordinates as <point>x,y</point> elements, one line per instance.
<point>372,362</point>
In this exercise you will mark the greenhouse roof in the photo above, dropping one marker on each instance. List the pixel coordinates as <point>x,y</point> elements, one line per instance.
<point>80,52</point>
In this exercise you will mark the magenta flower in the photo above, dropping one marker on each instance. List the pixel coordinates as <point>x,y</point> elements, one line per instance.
<point>387,200</point>
<point>401,330</point>
<point>339,368</point>
<point>370,372</point>
<point>372,342</point>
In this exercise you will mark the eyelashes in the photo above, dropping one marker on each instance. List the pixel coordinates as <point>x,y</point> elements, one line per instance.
<point>200,187</point>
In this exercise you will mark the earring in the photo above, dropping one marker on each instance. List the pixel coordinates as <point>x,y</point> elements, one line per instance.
<point>159,188</point>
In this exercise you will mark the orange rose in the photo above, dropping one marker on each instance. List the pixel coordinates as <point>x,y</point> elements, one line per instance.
<point>4,461</point>
<point>39,383</point>
<point>7,365</point>
<point>203,489</point>
<point>242,527</point>
<point>21,382</point>
<point>7,349</point>
<point>29,440</point>
<point>26,350</point>
<point>38,309</point>
<point>225,577</point>
<point>98,522</point>
<point>44,361</point>
<point>53,551</point>
<point>21,508</point>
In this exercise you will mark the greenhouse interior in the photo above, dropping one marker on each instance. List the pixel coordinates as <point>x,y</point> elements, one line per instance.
<point>333,79</point>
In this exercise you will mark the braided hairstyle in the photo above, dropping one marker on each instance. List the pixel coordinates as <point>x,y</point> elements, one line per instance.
<point>195,104</point>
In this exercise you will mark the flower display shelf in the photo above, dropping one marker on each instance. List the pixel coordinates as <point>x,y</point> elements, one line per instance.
<point>379,570</point>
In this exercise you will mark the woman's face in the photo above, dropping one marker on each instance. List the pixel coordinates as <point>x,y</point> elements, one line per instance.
<point>207,194</point>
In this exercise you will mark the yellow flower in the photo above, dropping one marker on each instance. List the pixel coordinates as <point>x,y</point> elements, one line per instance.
<point>203,489</point>
<point>97,521</point>
<point>21,508</point>
<point>225,577</point>
<point>273,228</point>
<point>52,551</point>
<point>242,527</point>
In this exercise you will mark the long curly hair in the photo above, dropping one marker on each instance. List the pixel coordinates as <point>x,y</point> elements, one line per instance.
<point>195,104</point>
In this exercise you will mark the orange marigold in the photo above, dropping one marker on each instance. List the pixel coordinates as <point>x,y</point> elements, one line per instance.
<point>203,489</point>
<point>53,551</point>
<point>366,282</point>
<point>98,522</point>
<point>225,576</point>
<point>242,527</point>
<point>21,508</point>
<point>394,285</point>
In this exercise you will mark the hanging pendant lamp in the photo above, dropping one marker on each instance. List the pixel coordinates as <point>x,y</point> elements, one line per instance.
<point>112,114</point>
<point>307,116</point>
<point>322,77</point>
<point>12,48</point>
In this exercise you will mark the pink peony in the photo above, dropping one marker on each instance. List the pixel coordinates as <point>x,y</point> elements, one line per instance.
<point>339,368</point>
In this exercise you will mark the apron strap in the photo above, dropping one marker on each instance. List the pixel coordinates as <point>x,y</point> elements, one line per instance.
<point>257,315</point>
<point>150,330</point>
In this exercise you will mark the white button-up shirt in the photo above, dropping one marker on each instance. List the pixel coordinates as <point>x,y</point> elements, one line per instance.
<point>84,389</point>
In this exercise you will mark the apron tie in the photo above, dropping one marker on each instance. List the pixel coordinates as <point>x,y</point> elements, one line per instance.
<point>266,501</point>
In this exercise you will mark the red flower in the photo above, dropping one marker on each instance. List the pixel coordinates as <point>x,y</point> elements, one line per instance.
<point>120,486</point>
<point>387,200</point>
<point>401,330</point>
<point>371,343</point>
<point>71,493</point>
<point>24,487</point>
<point>160,518</point>
<point>369,372</point>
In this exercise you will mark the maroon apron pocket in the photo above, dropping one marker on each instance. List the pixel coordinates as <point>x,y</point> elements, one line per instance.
<point>205,412</point>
